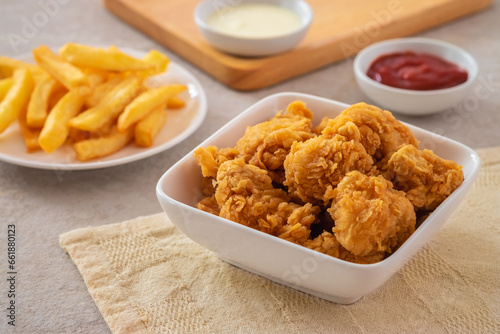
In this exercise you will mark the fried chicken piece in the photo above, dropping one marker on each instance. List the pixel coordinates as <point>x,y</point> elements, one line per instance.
<point>426,178</point>
<point>371,218</point>
<point>266,210</point>
<point>318,164</point>
<point>267,144</point>
<point>209,204</point>
<point>322,125</point>
<point>381,133</point>
<point>210,158</point>
<point>236,177</point>
<point>298,226</point>
<point>368,259</point>
<point>326,243</point>
<point>245,195</point>
<point>264,145</point>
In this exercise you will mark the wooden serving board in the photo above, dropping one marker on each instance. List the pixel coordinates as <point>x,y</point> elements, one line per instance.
<point>339,30</point>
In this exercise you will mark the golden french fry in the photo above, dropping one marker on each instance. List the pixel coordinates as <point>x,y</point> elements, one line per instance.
<point>75,135</point>
<point>159,63</point>
<point>95,77</point>
<point>9,65</point>
<point>142,105</point>
<point>110,107</point>
<point>100,91</point>
<point>110,59</point>
<point>38,106</point>
<point>147,128</point>
<point>175,102</point>
<point>56,95</point>
<point>68,75</point>
<point>16,98</point>
<point>56,128</point>
<point>30,135</point>
<point>5,85</point>
<point>100,147</point>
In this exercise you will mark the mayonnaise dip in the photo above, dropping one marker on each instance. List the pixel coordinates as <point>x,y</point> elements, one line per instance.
<point>254,20</point>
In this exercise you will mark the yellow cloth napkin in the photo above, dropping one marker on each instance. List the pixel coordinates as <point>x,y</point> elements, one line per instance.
<point>146,277</point>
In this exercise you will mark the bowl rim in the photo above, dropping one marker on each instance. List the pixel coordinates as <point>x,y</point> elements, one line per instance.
<point>393,259</point>
<point>472,71</point>
<point>306,21</point>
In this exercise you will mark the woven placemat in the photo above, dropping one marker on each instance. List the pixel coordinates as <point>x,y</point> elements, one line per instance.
<point>147,277</point>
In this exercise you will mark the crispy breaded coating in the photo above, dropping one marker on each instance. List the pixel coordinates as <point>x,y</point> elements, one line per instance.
<point>264,145</point>
<point>210,158</point>
<point>254,210</point>
<point>245,195</point>
<point>370,216</point>
<point>209,204</point>
<point>326,243</point>
<point>318,164</point>
<point>426,178</point>
<point>267,144</point>
<point>298,226</point>
<point>381,133</point>
<point>236,177</point>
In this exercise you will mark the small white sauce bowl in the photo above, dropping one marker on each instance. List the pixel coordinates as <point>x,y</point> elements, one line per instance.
<point>414,102</point>
<point>252,47</point>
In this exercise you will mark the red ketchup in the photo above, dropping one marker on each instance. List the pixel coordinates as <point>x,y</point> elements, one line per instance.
<point>409,70</point>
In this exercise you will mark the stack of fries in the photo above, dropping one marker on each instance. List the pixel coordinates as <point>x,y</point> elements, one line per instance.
<point>95,99</point>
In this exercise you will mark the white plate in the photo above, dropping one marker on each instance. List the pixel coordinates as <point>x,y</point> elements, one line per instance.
<point>180,124</point>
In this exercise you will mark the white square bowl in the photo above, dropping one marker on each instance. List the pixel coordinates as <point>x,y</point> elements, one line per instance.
<point>179,189</point>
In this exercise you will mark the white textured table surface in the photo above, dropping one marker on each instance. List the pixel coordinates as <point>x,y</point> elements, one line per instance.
<point>50,294</point>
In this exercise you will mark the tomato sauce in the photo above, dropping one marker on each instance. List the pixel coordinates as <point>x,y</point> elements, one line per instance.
<point>409,70</point>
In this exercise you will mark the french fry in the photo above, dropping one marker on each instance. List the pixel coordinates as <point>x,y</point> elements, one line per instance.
<point>100,91</point>
<point>110,107</point>
<point>147,128</point>
<point>142,105</point>
<point>95,77</point>
<point>5,85</point>
<point>159,62</point>
<point>68,75</point>
<point>30,135</point>
<point>110,59</point>
<point>16,98</point>
<point>100,147</point>
<point>38,106</point>
<point>75,135</point>
<point>56,95</point>
<point>9,65</point>
<point>175,102</point>
<point>56,128</point>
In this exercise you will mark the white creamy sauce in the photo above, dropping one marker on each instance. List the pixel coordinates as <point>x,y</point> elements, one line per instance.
<point>254,20</point>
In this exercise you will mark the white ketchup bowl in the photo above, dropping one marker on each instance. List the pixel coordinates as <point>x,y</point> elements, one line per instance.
<point>414,102</point>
